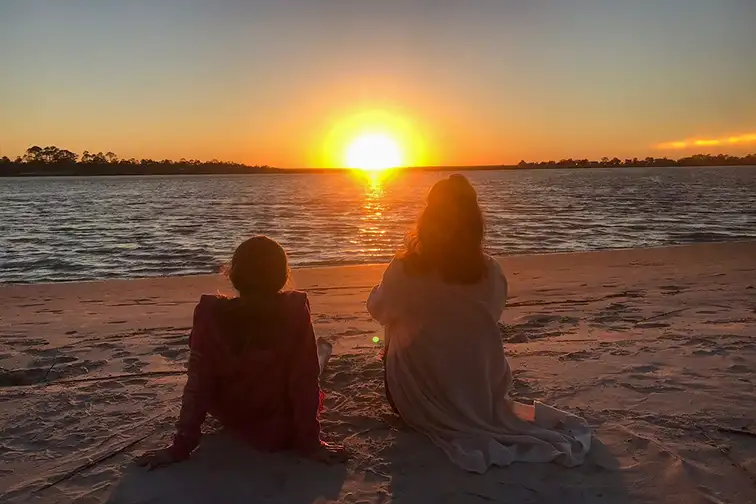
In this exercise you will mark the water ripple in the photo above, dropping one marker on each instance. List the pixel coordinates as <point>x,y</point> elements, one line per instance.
<point>63,229</point>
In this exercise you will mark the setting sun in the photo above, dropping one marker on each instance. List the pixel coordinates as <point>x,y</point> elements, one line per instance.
<point>373,152</point>
<point>373,140</point>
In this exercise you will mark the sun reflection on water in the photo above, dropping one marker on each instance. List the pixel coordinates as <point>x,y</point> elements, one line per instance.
<point>372,213</point>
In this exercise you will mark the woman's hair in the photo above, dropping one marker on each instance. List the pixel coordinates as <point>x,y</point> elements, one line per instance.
<point>448,238</point>
<point>258,271</point>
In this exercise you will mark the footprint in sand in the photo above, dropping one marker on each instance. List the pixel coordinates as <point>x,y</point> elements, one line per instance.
<point>580,355</point>
<point>353,331</point>
<point>104,385</point>
<point>334,318</point>
<point>671,289</point>
<point>709,351</point>
<point>171,353</point>
<point>536,326</point>
<point>739,368</point>
<point>24,342</point>
<point>648,389</point>
<point>643,368</point>
<point>523,388</point>
<point>106,345</point>
<point>133,364</point>
<point>651,325</point>
<point>136,381</point>
<point>57,360</point>
<point>48,372</point>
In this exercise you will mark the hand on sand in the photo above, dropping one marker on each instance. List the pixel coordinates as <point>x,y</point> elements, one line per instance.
<point>154,459</point>
<point>329,454</point>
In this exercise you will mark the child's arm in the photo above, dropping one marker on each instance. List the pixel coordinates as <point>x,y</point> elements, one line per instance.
<point>304,387</point>
<point>200,385</point>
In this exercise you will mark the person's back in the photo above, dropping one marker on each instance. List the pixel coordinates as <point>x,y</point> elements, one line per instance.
<point>446,373</point>
<point>436,332</point>
<point>253,363</point>
<point>250,378</point>
<point>258,376</point>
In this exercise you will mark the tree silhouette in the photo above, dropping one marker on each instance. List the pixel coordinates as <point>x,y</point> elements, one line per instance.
<point>52,160</point>
<point>33,154</point>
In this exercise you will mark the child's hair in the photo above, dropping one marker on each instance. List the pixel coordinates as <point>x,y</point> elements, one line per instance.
<point>448,238</point>
<point>259,268</point>
<point>258,271</point>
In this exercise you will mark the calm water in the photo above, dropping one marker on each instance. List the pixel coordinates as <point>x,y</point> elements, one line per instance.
<point>58,229</point>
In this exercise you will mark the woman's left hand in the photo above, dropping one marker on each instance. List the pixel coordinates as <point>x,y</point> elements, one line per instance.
<point>157,458</point>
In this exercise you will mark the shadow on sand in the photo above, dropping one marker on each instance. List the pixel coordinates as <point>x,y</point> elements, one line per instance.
<point>421,473</point>
<point>223,471</point>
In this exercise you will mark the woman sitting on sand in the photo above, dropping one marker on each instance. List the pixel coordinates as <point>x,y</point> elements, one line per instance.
<point>446,374</point>
<point>253,364</point>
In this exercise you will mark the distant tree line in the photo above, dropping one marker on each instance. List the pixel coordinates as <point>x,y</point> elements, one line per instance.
<point>605,162</point>
<point>54,161</point>
<point>51,160</point>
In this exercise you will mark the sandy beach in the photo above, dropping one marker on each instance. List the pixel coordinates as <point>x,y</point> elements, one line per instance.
<point>656,348</point>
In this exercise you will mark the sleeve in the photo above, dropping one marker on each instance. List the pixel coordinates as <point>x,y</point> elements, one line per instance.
<point>500,287</point>
<point>304,387</point>
<point>200,385</point>
<point>383,296</point>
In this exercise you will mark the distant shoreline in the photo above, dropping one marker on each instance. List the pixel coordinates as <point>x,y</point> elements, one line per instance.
<point>111,171</point>
<point>50,161</point>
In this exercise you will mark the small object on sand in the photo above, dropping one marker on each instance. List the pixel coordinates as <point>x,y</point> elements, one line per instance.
<point>325,350</point>
<point>49,369</point>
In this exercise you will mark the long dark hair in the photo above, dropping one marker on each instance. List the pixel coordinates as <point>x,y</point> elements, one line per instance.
<point>258,271</point>
<point>448,238</point>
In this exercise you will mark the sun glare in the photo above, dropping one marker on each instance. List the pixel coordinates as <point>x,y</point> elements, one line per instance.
<point>373,141</point>
<point>373,152</point>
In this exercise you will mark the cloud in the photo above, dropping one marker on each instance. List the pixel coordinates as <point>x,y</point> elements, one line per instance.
<point>745,139</point>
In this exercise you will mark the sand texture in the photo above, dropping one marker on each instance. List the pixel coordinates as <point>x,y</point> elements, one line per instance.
<point>655,348</point>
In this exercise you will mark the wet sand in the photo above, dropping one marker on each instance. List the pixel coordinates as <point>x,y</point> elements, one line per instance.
<point>654,347</point>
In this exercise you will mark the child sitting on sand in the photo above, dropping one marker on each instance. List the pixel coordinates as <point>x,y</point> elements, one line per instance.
<point>253,364</point>
<point>445,370</point>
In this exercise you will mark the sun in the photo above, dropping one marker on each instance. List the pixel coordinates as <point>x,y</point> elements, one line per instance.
<point>373,152</point>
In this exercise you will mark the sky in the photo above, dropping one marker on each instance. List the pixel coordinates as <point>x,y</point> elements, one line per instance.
<point>290,83</point>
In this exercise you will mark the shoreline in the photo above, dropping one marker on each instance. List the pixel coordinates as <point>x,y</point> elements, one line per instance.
<point>654,347</point>
<point>293,269</point>
<point>332,171</point>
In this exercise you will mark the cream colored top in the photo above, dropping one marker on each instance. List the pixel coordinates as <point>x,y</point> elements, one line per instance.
<point>449,378</point>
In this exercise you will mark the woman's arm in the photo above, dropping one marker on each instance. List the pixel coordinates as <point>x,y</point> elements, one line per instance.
<point>382,297</point>
<point>500,287</point>
<point>304,386</point>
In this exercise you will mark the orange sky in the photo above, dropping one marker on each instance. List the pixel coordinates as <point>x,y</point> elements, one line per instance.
<point>262,84</point>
